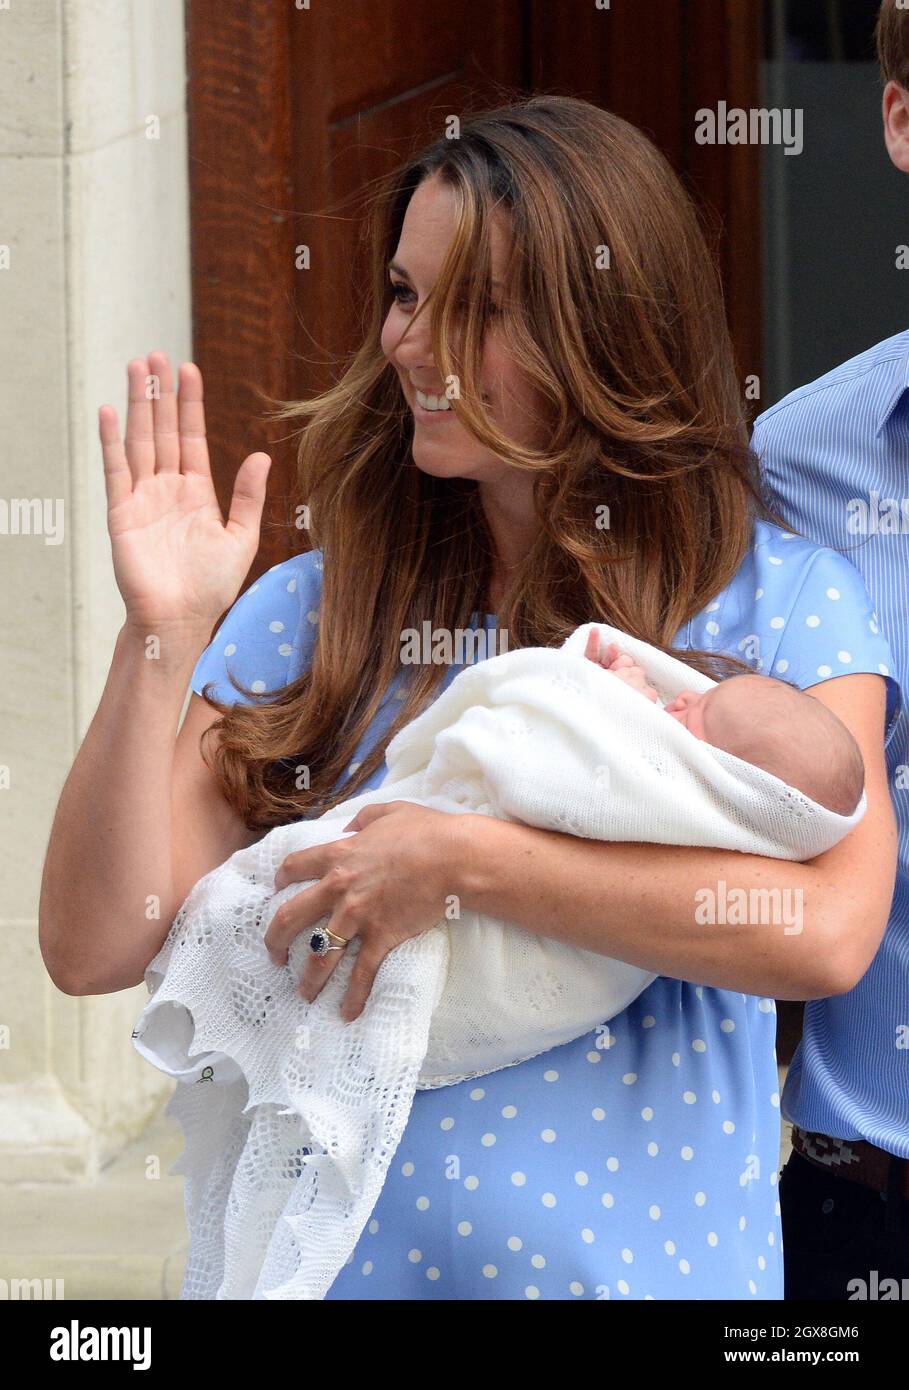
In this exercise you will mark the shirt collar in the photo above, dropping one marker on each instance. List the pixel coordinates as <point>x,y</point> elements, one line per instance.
<point>900,386</point>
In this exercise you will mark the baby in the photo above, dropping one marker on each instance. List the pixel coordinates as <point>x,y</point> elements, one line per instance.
<point>765,722</point>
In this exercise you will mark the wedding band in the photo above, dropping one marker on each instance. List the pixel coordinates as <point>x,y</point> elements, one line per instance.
<point>321,939</point>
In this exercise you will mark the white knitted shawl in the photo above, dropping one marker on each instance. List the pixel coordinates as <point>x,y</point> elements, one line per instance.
<point>291,1116</point>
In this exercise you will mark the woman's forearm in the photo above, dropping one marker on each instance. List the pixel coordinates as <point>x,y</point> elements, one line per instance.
<point>107,894</point>
<point>670,910</point>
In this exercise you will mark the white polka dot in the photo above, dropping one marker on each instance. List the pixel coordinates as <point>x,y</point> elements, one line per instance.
<point>728,1127</point>
<point>285,649</point>
<point>762,1263</point>
<point>771,1238</point>
<point>774,560</point>
<point>594,1057</point>
<point>576,1288</point>
<point>548,1136</point>
<point>432,1272</point>
<point>519,1179</point>
<point>464,1228</point>
<point>712,607</point>
<point>655,1213</point>
<point>669,1247</point>
<point>712,1238</point>
<point>422,1203</point>
<point>276,626</point>
<point>548,1199</point>
<point>292,586</point>
<point>812,620</point>
<point>581,1179</point>
<point>538,1261</point>
<point>775,1100</point>
<point>373,1227</point>
<point>509,1112</point>
<point>653,1149</point>
<point>407,1169</point>
<point>782,667</point>
<point>689,1097</point>
<point>258,687</point>
<point>765,1006</point>
<point>490,1271</point>
<point>550,1075</point>
<point>742,1223</point>
<point>612,1164</point>
<point>607,1199</point>
<point>777,622</point>
<point>727,1025</point>
<point>825,671</point>
<point>833,593</point>
<point>472,1183</point>
<point>752,1286</point>
<point>477,1093</point>
<point>647,1113</point>
<point>598,1113</point>
<point>844,657</point>
<point>623,1286</point>
<point>684,1267</point>
<point>627,1256</point>
<point>588,1236</point>
<point>700,1198</point>
<point>532,1291</point>
<point>648,1021</point>
<point>312,616</point>
<point>699,1045</point>
<point>447,1123</point>
<point>629,1078</point>
<point>687,1152</point>
<point>676,1059</point>
<point>712,628</point>
<point>415,1256</point>
<point>367,1267</point>
<point>715,1097</point>
<point>230,649</point>
<point>515,1243</point>
<point>759,593</point>
<point>488,1140</point>
<point>884,670</point>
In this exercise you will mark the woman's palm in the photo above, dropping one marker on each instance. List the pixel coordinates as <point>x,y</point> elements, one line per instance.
<point>174,557</point>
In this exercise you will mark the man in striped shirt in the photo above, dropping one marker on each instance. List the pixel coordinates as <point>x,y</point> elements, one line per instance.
<point>835,457</point>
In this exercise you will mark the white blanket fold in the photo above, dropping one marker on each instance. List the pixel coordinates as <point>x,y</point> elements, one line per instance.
<point>291,1116</point>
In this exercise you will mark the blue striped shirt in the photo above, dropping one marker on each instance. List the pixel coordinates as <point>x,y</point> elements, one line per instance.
<point>835,458</point>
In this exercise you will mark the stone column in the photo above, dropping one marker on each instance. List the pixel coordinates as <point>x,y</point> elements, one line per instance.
<point>94,270</point>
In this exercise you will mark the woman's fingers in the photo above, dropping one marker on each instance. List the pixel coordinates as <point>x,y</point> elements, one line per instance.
<point>140,435</point>
<point>164,413</point>
<point>248,497</point>
<point>362,979</point>
<point>118,481</point>
<point>191,419</point>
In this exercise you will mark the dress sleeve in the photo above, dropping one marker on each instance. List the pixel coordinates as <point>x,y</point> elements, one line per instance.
<point>266,639</point>
<point>833,630</point>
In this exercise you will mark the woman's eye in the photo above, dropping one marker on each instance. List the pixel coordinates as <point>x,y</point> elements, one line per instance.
<point>401,292</point>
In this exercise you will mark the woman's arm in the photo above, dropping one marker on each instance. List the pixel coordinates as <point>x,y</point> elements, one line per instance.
<point>637,902</point>
<point>408,866</point>
<point>140,817</point>
<point>139,821</point>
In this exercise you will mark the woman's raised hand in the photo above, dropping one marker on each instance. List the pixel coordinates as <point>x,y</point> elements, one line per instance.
<point>175,560</point>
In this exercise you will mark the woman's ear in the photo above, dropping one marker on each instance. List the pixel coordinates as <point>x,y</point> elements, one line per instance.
<point>896,124</point>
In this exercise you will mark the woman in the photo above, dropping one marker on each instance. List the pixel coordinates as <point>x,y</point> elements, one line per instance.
<point>592,464</point>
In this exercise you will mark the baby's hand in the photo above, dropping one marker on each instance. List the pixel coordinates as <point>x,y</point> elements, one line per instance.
<point>620,664</point>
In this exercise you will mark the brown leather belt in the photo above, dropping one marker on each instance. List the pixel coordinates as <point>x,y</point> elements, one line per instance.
<point>854,1159</point>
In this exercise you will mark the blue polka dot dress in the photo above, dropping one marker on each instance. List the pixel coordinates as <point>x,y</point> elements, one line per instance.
<point>639,1161</point>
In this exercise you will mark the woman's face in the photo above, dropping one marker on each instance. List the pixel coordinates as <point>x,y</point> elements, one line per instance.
<point>442,446</point>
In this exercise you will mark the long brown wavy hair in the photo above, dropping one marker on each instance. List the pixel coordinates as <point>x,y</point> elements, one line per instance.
<point>614,312</point>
